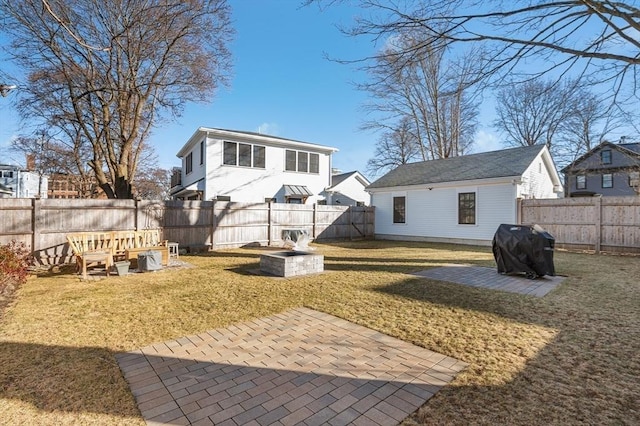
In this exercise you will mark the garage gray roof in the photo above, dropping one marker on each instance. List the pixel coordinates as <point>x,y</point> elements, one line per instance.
<point>485,165</point>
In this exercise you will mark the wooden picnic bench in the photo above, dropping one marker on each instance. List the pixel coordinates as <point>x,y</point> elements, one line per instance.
<point>105,247</point>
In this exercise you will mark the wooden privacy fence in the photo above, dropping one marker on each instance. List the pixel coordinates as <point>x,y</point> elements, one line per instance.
<point>42,224</point>
<point>610,224</point>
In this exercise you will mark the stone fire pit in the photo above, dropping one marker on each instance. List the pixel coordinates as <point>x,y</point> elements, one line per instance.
<point>291,263</point>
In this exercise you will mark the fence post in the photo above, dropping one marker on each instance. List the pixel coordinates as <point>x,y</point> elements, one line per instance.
<point>35,224</point>
<point>315,220</point>
<point>213,225</point>
<point>598,207</point>
<point>269,228</point>
<point>136,220</point>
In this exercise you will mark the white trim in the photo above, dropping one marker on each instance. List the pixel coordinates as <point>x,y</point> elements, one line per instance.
<point>463,183</point>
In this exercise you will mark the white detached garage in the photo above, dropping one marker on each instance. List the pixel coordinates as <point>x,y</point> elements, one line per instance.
<point>461,199</point>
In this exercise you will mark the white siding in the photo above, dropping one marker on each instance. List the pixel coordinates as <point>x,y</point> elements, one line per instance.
<point>536,181</point>
<point>349,192</point>
<point>434,213</point>
<point>253,185</point>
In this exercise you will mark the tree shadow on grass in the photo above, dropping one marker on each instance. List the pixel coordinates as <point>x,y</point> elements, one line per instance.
<point>66,379</point>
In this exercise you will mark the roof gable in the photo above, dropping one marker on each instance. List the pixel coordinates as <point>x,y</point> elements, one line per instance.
<point>629,149</point>
<point>511,162</point>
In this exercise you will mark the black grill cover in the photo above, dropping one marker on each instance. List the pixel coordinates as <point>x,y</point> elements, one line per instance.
<point>520,249</point>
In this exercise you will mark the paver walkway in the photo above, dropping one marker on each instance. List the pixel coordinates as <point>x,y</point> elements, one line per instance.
<point>299,367</point>
<point>478,276</point>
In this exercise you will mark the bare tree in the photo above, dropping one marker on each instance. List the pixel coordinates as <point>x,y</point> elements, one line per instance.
<point>430,92</point>
<point>591,37</point>
<point>532,112</point>
<point>395,147</point>
<point>104,73</point>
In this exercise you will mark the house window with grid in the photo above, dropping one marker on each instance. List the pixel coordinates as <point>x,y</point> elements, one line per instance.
<point>243,155</point>
<point>467,208</point>
<point>189,163</point>
<point>605,156</point>
<point>399,209</point>
<point>607,180</point>
<point>581,182</point>
<point>301,162</point>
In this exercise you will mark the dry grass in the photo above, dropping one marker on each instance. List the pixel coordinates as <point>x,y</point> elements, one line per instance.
<point>570,357</point>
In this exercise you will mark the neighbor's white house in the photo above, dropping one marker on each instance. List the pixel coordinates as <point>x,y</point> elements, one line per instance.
<point>231,165</point>
<point>348,189</point>
<point>461,199</point>
<point>21,183</point>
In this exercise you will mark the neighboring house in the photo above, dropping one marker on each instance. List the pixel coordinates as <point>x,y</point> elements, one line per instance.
<point>5,192</point>
<point>63,185</point>
<point>348,189</point>
<point>607,169</point>
<point>230,165</point>
<point>461,199</point>
<point>22,183</point>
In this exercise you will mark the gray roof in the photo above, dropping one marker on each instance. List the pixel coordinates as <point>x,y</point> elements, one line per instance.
<point>336,179</point>
<point>485,165</point>
<point>635,147</point>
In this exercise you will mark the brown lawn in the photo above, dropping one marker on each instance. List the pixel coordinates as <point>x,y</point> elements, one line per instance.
<point>570,357</point>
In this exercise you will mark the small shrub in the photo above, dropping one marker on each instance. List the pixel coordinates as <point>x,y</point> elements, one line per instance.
<point>14,266</point>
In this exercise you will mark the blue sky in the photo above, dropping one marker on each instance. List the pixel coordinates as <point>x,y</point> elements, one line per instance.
<point>283,85</point>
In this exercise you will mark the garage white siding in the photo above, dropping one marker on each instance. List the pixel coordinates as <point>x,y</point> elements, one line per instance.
<point>433,214</point>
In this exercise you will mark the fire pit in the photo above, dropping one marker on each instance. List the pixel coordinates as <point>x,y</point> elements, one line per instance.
<point>291,263</point>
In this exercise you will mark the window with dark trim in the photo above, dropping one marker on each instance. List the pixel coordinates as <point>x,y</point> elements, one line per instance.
<point>605,156</point>
<point>581,182</point>
<point>399,209</point>
<point>189,163</point>
<point>202,153</point>
<point>607,180</point>
<point>243,155</point>
<point>467,208</point>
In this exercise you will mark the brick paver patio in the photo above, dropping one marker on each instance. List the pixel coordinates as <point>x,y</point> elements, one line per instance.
<point>478,276</point>
<point>299,367</point>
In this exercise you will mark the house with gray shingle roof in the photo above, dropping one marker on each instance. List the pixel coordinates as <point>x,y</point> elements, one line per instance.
<point>607,169</point>
<point>461,199</point>
<point>348,189</point>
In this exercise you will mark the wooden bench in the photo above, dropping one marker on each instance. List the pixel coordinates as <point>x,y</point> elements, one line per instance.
<point>104,247</point>
<point>91,248</point>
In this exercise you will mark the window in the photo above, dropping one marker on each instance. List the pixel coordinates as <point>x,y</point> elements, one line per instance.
<point>229,154</point>
<point>605,156</point>
<point>259,156</point>
<point>243,155</point>
<point>581,182</point>
<point>189,163</point>
<point>223,198</point>
<point>202,153</point>
<point>301,162</point>
<point>399,209</point>
<point>607,180</point>
<point>467,208</point>
<point>290,161</point>
<point>314,163</point>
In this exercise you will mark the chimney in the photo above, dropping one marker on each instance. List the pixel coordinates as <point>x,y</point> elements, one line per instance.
<point>31,162</point>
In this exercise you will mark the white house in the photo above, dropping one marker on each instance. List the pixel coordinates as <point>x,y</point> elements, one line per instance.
<point>348,189</point>
<point>23,183</point>
<point>461,199</point>
<point>232,165</point>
